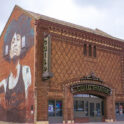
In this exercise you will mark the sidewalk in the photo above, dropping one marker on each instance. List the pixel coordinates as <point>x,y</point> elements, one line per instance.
<point>116,122</point>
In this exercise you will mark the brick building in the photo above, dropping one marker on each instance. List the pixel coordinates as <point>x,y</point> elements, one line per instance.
<point>52,71</point>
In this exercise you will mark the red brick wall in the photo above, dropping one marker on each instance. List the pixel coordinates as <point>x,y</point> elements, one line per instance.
<point>68,62</point>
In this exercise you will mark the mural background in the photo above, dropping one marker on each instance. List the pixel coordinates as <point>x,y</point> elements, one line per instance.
<point>17,69</point>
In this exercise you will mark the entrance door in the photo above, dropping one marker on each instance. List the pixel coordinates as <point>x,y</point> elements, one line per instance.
<point>88,107</point>
<point>95,112</point>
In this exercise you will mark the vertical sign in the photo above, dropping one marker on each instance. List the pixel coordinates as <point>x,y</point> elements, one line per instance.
<point>47,58</point>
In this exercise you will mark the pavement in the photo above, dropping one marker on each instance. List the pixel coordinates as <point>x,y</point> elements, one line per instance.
<point>116,122</point>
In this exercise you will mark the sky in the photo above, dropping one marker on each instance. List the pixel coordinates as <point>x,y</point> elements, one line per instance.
<point>106,15</point>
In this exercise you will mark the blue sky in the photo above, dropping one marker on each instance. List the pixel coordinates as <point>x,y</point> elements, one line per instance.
<point>106,15</point>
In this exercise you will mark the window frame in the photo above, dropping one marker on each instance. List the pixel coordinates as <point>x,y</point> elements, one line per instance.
<point>85,49</point>
<point>90,50</point>
<point>55,102</point>
<point>94,51</point>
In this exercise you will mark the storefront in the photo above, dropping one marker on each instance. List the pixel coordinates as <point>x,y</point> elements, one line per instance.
<point>119,106</point>
<point>88,107</point>
<point>86,99</point>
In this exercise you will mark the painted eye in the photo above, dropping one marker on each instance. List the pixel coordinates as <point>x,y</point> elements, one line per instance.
<point>13,40</point>
<point>18,38</point>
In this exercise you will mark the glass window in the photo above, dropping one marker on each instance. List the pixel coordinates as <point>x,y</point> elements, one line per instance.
<point>86,108</point>
<point>75,105</point>
<point>85,49</point>
<point>51,108</point>
<point>90,50</point>
<point>98,109</point>
<point>54,108</point>
<point>58,108</point>
<point>78,105</point>
<point>119,109</point>
<point>102,107</point>
<point>92,109</point>
<point>94,51</point>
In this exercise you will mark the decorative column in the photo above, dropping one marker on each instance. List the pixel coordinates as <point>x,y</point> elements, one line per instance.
<point>68,107</point>
<point>110,107</point>
<point>42,105</point>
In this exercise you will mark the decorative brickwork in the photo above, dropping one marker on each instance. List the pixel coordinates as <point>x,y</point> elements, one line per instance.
<point>68,63</point>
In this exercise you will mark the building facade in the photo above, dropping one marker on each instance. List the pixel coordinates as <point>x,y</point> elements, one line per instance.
<point>57,72</point>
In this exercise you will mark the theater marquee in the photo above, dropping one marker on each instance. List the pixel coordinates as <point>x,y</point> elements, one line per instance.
<point>90,87</point>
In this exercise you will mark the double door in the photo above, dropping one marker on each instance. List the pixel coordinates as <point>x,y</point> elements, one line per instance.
<point>88,107</point>
<point>95,111</point>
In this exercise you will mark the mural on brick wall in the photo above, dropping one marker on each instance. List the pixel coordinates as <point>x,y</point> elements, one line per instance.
<point>18,40</point>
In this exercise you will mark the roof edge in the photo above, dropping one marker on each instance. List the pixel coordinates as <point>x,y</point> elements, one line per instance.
<point>79,27</point>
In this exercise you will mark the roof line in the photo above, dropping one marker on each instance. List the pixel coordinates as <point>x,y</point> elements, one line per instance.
<point>96,31</point>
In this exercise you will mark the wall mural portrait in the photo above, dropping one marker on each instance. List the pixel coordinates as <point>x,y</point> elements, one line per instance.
<point>18,40</point>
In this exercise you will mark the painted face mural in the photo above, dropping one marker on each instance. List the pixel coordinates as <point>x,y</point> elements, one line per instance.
<point>18,40</point>
<point>15,49</point>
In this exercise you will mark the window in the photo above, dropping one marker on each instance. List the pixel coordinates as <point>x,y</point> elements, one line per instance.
<point>90,50</point>
<point>102,107</point>
<point>79,105</point>
<point>85,49</point>
<point>94,51</point>
<point>119,108</point>
<point>92,109</point>
<point>98,109</point>
<point>58,108</point>
<point>51,108</point>
<point>86,108</point>
<point>55,108</point>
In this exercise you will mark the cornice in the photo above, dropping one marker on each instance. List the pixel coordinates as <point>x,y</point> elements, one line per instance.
<point>79,37</point>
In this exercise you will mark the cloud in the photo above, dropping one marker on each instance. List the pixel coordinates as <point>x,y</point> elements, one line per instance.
<point>96,3</point>
<point>106,15</point>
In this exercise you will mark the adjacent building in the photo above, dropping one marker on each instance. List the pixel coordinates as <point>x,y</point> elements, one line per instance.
<point>53,71</point>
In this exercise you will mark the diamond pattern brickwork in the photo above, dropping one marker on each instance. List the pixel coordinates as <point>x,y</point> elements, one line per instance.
<point>68,62</point>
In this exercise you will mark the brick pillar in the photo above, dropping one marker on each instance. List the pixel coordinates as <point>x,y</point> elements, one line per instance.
<point>68,117</point>
<point>110,107</point>
<point>42,106</point>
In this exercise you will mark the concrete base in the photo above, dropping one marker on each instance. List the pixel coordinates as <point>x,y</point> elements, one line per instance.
<point>69,122</point>
<point>109,120</point>
<point>42,122</point>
